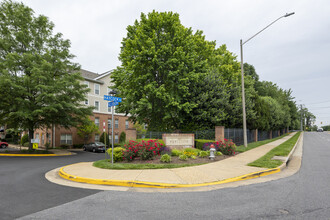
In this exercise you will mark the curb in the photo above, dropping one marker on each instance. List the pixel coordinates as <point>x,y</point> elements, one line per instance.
<point>288,158</point>
<point>132,183</point>
<point>35,155</point>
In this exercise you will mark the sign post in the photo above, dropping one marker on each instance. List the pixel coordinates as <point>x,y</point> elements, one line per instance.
<point>113,101</point>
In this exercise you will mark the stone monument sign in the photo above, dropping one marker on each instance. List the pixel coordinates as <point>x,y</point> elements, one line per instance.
<point>179,141</point>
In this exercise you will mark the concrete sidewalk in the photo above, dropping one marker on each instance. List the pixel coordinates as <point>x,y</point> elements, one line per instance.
<point>224,171</point>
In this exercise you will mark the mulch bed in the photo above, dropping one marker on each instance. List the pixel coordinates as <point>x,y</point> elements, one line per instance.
<point>176,160</point>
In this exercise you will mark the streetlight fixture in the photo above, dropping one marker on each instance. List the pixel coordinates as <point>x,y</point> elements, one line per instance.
<point>242,71</point>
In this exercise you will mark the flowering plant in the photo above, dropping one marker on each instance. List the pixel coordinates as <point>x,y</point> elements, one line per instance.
<point>227,147</point>
<point>145,149</point>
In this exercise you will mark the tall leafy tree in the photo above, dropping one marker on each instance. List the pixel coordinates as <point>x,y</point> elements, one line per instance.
<point>40,84</point>
<point>161,61</point>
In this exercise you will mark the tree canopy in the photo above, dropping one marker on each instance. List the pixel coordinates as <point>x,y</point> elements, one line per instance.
<point>40,84</point>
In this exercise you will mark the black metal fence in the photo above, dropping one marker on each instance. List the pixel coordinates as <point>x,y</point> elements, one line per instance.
<point>234,134</point>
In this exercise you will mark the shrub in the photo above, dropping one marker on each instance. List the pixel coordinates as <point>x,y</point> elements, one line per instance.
<point>122,137</point>
<point>153,139</point>
<point>199,143</point>
<point>117,153</point>
<point>176,152</point>
<point>145,149</point>
<point>105,138</point>
<point>166,158</point>
<point>26,144</point>
<point>78,145</point>
<point>24,139</point>
<point>183,157</point>
<point>219,153</point>
<point>189,152</point>
<point>193,157</point>
<point>203,154</point>
<point>64,146</point>
<point>165,150</point>
<point>227,147</point>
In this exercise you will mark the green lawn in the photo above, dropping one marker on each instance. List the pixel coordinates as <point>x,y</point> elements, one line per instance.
<point>250,146</point>
<point>106,164</point>
<point>281,150</point>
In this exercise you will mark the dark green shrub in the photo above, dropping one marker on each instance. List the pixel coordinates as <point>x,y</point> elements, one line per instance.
<point>26,144</point>
<point>64,146</point>
<point>200,142</point>
<point>147,139</point>
<point>122,137</point>
<point>24,139</point>
<point>105,137</point>
<point>77,145</point>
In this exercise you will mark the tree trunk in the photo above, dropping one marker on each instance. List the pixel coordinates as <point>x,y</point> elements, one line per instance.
<point>31,133</point>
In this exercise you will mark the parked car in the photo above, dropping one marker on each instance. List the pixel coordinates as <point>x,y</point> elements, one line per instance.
<point>320,130</point>
<point>3,144</point>
<point>95,147</point>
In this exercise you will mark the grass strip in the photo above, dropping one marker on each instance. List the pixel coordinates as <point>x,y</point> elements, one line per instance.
<point>281,150</point>
<point>250,146</point>
<point>106,164</point>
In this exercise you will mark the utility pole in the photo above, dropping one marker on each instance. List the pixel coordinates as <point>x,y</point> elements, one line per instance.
<point>300,117</point>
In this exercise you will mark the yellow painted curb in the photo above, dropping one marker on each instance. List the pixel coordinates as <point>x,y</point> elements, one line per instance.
<point>35,155</point>
<point>132,183</point>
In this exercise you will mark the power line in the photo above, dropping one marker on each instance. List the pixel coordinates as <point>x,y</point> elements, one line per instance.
<point>317,102</point>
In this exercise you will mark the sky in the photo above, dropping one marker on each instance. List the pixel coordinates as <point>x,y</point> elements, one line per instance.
<point>293,52</point>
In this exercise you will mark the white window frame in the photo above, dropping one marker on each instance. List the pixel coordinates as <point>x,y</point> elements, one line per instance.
<point>97,121</point>
<point>97,108</point>
<point>97,138</point>
<point>86,83</point>
<point>86,102</point>
<point>97,92</point>
<point>116,139</point>
<point>116,123</point>
<point>66,140</point>
<point>126,124</point>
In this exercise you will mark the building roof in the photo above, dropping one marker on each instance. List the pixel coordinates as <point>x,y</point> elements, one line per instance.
<point>88,74</point>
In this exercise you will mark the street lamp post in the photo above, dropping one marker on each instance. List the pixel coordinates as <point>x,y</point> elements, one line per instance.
<point>242,72</point>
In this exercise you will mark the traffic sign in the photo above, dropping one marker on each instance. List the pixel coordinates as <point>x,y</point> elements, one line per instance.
<point>112,98</point>
<point>112,104</point>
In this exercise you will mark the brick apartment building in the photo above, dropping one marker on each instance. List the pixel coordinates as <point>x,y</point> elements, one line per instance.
<point>102,115</point>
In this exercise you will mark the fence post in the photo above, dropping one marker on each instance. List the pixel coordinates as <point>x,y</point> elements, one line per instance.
<point>278,133</point>
<point>270,134</point>
<point>255,135</point>
<point>219,133</point>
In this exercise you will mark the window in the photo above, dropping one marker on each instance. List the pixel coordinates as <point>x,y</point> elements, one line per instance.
<point>97,105</point>
<point>116,123</point>
<point>37,136</point>
<point>86,102</point>
<point>109,109</point>
<point>86,83</point>
<point>97,122</point>
<point>109,123</point>
<point>126,124</point>
<point>66,139</point>
<point>97,89</point>
<point>97,137</point>
<point>116,138</point>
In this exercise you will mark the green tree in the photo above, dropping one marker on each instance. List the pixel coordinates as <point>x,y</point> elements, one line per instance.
<point>86,129</point>
<point>41,82</point>
<point>161,61</point>
<point>122,137</point>
<point>104,138</point>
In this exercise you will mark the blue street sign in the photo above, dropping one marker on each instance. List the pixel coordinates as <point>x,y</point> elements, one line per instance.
<point>112,104</point>
<point>112,98</point>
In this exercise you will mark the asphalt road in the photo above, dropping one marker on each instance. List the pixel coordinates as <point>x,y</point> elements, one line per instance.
<point>24,189</point>
<point>304,195</point>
